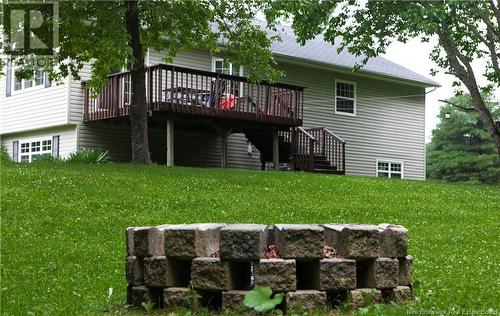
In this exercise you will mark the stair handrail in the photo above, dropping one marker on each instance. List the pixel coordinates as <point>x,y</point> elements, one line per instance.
<point>306,133</point>
<point>334,135</point>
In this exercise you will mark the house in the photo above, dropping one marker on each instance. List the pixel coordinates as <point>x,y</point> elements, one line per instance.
<point>203,112</point>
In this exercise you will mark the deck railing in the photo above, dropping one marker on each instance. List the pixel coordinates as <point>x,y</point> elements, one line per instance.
<point>318,146</point>
<point>303,149</point>
<point>179,89</point>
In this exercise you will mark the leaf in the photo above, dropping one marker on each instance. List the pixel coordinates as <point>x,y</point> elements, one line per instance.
<point>260,299</point>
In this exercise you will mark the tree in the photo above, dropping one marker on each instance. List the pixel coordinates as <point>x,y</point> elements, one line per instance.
<point>111,35</point>
<point>461,149</point>
<point>467,31</point>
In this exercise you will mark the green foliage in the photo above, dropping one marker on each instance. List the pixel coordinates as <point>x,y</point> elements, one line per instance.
<point>72,216</point>
<point>461,150</point>
<point>4,156</point>
<point>259,298</point>
<point>89,155</point>
<point>48,158</point>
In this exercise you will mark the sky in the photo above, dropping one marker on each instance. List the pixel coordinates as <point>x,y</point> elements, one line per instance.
<point>415,56</point>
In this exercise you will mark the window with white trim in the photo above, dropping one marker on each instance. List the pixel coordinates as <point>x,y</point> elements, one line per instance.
<point>345,97</point>
<point>389,169</point>
<point>227,68</point>
<point>22,84</point>
<point>29,151</point>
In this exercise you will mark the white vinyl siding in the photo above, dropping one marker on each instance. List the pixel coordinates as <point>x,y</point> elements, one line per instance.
<point>67,140</point>
<point>33,108</point>
<point>389,121</point>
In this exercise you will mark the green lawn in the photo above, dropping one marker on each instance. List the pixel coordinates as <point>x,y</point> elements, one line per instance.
<point>63,226</point>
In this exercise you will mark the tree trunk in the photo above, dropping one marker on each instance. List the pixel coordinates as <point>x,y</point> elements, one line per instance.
<point>138,112</point>
<point>462,69</point>
<point>484,115</point>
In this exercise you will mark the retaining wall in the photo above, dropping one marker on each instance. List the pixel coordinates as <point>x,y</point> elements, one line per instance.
<point>317,266</point>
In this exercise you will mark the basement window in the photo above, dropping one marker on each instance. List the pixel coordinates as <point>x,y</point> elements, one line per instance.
<point>389,169</point>
<point>29,151</point>
<point>345,97</point>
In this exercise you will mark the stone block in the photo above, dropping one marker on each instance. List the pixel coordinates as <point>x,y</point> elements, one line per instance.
<point>192,240</point>
<point>243,241</point>
<point>299,241</point>
<point>406,271</point>
<point>233,300</point>
<point>211,274</point>
<point>359,298</point>
<point>353,241</point>
<point>337,274</point>
<point>156,245</point>
<point>129,238</point>
<point>156,272</point>
<point>380,273</point>
<point>393,240</point>
<point>398,295</point>
<point>138,294</point>
<point>306,300</point>
<point>180,297</point>
<point>278,274</point>
<point>134,270</point>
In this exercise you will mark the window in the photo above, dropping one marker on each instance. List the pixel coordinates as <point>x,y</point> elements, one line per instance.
<point>21,84</point>
<point>223,67</point>
<point>29,151</point>
<point>345,97</point>
<point>389,169</point>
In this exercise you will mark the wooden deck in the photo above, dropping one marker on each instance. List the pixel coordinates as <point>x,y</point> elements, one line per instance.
<point>199,93</point>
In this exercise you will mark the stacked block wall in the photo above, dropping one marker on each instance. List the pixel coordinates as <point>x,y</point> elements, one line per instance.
<point>316,266</point>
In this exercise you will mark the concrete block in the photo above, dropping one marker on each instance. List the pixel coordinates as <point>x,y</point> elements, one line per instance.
<point>192,240</point>
<point>233,300</point>
<point>353,241</point>
<point>134,270</point>
<point>278,274</point>
<point>180,297</point>
<point>156,245</point>
<point>359,298</point>
<point>337,274</point>
<point>393,240</point>
<point>299,241</point>
<point>306,300</point>
<point>211,274</point>
<point>398,295</point>
<point>243,241</point>
<point>130,233</point>
<point>138,294</point>
<point>406,271</point>
<point>156,272</point>
<point>380,273</point>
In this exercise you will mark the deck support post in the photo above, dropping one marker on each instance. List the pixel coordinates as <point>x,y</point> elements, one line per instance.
<point>276,151</point>
<point>223,153</point>
<point>224,133</point>
<point>170,140</point>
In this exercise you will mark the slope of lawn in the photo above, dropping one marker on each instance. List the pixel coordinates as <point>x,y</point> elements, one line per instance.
<point>63,227</point>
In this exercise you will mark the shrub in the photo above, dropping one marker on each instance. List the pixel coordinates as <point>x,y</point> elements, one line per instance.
<point>48,158</point>
<point>90,155</point>
<point>4,156</point>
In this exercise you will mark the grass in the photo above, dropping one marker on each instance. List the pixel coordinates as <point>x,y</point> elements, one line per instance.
<point>63,227</point>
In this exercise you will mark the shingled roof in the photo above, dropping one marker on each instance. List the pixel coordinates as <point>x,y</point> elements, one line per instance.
<point>320,51</point>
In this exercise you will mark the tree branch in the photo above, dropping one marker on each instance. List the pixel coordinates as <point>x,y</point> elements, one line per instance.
<point>463,108</point>
<point>496,11</point>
